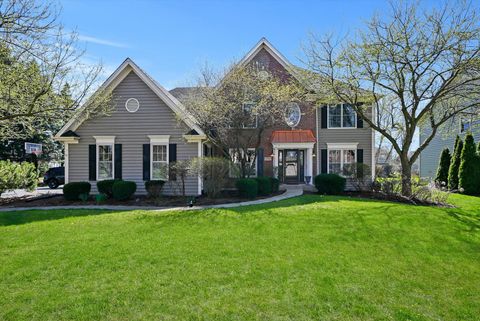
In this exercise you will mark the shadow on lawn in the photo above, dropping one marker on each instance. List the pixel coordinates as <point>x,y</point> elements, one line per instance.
<point>30,216</point>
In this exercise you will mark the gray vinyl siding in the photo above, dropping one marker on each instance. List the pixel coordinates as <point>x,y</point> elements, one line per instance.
<point>362,136</point>
<point>430,156</point>
<point>131,130</point>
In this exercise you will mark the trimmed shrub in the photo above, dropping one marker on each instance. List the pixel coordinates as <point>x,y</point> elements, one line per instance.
<point>123,190</point>
<point>154,188</point>
<point>331,184</point>
<point>247,187</point>
<point>106,186</point>
<point>17,175</point>
<point>455,165</point>
<point>100,198</point>
<point>441,179</point>
<point>72,191</point>
<point>468,174</point>
<point>264,185</point>
<point>275,182</point>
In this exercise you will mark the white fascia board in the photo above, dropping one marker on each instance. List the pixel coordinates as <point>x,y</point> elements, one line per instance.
<point>342,145</point>
<point>293,145</point>
<point>194,138</point>
<point>104,139</point>
<point>159,139</point>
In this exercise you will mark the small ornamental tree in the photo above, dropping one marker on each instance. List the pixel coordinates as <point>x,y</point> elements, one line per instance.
<point>467,174</point>
<point>442,172</point>
<point>455,165</point>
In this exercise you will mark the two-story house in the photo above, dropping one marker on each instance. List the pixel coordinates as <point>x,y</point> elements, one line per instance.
<point>150,128</point>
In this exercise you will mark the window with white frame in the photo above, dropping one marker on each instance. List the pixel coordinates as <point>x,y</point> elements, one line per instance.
<point>105,161</point>
<point>342,116</point>
<point>251,162</point>
<point>340,161</point>
<point>250,118</point>
<point>159,164</point>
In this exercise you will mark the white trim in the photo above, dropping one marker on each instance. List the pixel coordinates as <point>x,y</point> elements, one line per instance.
<point>200,154</point>
<point>373,169</point>
<point>65,162</point>
<point>293,145</point>
<point>112,82</point>
<point>265,44</point>
<point>341,117</point>
<point>167,161</point>
<point>98,157</point>
<point>317,156</point>
<point>159,139</point>
<point>136,109</point>
<point>342,145</point>
<point>67,140</point>
<point>341,158</point>
<point>104,140</point>
<point>194,138</point>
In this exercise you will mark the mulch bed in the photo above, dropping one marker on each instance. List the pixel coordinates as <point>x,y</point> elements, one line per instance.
<point>164,201</point>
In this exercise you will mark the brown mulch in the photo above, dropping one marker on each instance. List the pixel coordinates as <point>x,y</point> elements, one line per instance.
<point>164,201</point>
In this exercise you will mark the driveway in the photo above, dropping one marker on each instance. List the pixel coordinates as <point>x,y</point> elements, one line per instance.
<point>43,190</point>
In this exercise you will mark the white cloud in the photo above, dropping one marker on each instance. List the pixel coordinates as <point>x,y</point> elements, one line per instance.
<point>101,41</point>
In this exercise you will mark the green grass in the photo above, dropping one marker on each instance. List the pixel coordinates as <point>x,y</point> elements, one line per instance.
<point>307,258</point>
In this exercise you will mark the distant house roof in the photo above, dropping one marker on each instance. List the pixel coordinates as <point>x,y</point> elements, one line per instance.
<point>293,136</point>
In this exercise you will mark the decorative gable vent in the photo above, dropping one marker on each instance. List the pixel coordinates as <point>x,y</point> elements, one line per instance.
<point>132,105</point>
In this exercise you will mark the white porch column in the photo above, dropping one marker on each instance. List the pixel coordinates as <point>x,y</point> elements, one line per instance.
<point>309,165</point>
<point>275,162</point>
<point>66,163</point>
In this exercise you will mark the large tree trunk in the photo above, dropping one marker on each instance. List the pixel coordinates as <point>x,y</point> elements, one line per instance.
<point>406,176</point>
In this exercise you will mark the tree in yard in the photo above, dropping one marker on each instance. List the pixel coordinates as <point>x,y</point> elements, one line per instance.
<point>214,173</point>
<point>468,180</point>
<point>236,106</point>
<point>414,68</point>
<point>441,179</point>
<point>38,60</point>
<point>455,164</point>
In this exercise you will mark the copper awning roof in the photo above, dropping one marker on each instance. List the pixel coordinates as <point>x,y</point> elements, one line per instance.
<point>293,136</point>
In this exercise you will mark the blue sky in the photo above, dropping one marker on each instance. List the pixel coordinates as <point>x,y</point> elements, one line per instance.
<point>171,40</point>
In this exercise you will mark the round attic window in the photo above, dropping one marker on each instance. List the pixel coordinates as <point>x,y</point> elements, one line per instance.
<point>132,105</point>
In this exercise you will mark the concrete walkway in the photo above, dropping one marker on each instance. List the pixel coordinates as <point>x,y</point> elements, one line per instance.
<point>291,191</point>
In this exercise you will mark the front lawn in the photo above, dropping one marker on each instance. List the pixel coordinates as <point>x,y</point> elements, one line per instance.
<point>307,258</point>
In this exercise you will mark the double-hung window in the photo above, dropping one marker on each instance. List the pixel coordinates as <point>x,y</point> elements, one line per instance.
<point>250,160</point>
<point>105,161</point>
<point>341,160</point>
<point>342,116</point>
<point>250,119</point>
<point>159,157</point>
<point>105,157</point>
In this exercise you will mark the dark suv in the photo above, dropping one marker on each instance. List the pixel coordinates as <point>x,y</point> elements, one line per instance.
<point>54,177</point>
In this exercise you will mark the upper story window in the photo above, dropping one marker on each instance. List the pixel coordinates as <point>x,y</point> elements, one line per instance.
<point>468,123</point>
<point>342,116</point>
<point>293,114</point>
<point>250,119</point>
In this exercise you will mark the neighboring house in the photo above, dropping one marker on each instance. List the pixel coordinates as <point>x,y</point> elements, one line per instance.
<point>446,136</point>
<point>150,128</point>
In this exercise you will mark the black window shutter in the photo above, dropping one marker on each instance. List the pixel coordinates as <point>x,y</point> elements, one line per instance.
<point>324,161</point>
<point>172,158</point>
<point>146,162</point>
<point>92,162</point>
<point>260,159</point>
<point>359,161</point>
<point>359,121</point>
<point>323,117</point>
<point>118,161</point>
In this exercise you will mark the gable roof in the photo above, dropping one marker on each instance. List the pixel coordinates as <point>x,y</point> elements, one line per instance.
<point>116,78</point>
<point>265,44</point>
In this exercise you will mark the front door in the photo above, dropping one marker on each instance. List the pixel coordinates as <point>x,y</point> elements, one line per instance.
<point>291,166</point>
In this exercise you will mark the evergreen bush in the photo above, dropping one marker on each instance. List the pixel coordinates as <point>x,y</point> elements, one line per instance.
<point>72,191</point>
<point>247,187</point>
<point>455,165</point>
<point>441,179</point>
<point>264,185</point>
<point>123,190</point>
<point>331,184</point>
<point>106,186</point>
<point>468,180</point>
